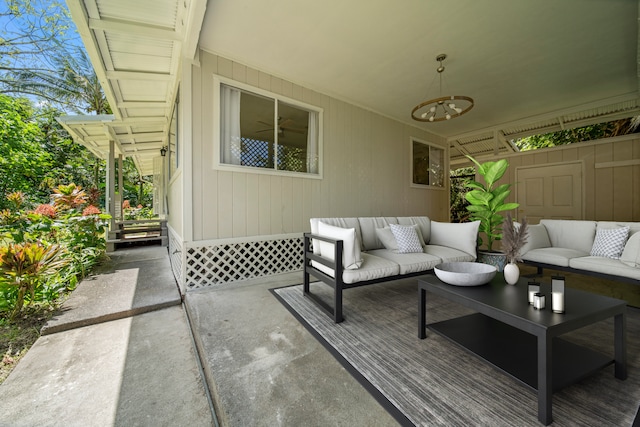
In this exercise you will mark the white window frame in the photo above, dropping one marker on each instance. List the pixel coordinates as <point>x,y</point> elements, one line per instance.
<point>443,165</point>
<point>219,165</point>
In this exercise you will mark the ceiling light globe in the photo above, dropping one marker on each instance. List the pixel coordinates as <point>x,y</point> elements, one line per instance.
<point>448,116</point>
<point>432,109</point>
<point>431,118</point>
<point>424,115</point>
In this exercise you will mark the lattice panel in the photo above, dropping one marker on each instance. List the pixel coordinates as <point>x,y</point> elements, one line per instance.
<point>256,153</point>
<point>232,262</point>
<point>291,159</point>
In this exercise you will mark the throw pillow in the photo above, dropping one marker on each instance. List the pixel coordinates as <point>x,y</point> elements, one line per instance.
<point>537,237</point>
<point>631,253</point>
<point>462,236</point>
<point>609,242</point>
<point>406,238</point>
<point>388,240</point>
<point>351,256</point>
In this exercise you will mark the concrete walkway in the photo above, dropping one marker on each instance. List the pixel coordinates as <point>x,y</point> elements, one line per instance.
<point>120,354</point>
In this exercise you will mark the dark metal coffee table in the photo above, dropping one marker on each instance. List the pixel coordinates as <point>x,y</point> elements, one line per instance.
<point>524,342</point>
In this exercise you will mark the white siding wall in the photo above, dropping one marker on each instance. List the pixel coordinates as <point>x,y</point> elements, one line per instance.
<point>175,203</point>
<point>365,159</point>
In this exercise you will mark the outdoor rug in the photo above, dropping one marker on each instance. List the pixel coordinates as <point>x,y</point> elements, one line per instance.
<point>434,382</point>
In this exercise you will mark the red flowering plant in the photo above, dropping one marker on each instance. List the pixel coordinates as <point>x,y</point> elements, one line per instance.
<point>69,230</point>
<point>19,225</point>
<point>91,210</point>
<point>46,210</point>
<point>88,229</point>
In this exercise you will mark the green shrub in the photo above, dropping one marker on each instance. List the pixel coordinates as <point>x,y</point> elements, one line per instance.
<point>45,252</point>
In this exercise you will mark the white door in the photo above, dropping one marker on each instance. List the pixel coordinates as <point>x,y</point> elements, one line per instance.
<point>549,191</point>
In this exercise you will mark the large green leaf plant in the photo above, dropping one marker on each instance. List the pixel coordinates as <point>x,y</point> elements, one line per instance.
<point>487,200</point>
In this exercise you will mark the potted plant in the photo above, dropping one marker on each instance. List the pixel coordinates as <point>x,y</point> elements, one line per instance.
<point>486,201</point>
<point>513,239</point>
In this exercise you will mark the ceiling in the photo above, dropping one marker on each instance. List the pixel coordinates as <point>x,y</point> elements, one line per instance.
<point>531,66</point>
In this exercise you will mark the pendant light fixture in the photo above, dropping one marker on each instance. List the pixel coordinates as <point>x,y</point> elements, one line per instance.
<point>443,107</point>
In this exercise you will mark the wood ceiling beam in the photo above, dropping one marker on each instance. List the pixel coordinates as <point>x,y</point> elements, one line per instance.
<point>137,75</point>
<point>142,104</point>
<point>134,29</point>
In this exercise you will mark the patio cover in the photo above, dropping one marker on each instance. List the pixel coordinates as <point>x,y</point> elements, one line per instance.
<point>531,66</point>
<point>136,49</point>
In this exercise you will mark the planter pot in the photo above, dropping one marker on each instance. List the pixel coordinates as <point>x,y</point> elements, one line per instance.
<point>511,273</point>
<point>497,259</point>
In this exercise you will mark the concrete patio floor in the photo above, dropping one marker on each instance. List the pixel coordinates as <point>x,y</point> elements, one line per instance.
<point>265,369</point>
<point>125,351</point>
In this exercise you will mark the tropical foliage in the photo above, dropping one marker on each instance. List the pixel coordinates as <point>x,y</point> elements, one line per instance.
<point>487,200</point>
<point>457,201</point>
<point>45,251</point>
<point>37,155</point>
<point>579,134</point>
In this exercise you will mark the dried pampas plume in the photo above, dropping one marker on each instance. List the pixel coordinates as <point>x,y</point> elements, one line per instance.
<point>513,238</point>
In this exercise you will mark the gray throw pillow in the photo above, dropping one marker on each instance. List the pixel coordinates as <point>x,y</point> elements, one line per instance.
<point>609,242</point>
<point>406,238</point>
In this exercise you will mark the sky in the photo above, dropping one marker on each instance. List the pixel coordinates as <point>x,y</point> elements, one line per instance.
<point>40,32</point>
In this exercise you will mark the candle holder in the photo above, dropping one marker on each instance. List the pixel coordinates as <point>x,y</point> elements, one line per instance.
<point>534,287</point>
<point>538,301</point>
<point>557,294</point>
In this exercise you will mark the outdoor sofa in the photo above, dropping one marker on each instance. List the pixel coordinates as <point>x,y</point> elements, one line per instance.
<point>349,252</point>
<point>610,250</point>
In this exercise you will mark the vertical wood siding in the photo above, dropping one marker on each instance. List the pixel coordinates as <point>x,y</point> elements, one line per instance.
<point>611,187</point>
<point>365,160</point>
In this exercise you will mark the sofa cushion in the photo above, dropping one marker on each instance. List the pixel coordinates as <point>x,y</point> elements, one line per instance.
<point>553,256</point>
<point>423,223</point>
<point>385,235</point>
<point>537,237</point>
<point>372,268</point>
<point>448,254</point>
<point>387,238</point>
<point>351,257</point>
<point>408,262</point>
<point>631,253</point>
<point>336,222</point>
<point>634,227</point>
<point>609,242</point>
<point>462,236</point>
<point>406,238</point>
<point>571,234</point>
<point>605,265</point>
<point>368,226</point>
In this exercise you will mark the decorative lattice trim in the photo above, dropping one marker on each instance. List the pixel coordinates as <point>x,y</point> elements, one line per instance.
<point>235,261</point>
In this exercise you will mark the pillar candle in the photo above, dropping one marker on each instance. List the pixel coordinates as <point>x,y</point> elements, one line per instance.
<point>557,302</point>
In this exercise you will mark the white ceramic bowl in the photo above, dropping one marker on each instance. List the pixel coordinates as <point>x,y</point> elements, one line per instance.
<point>465,273</point>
